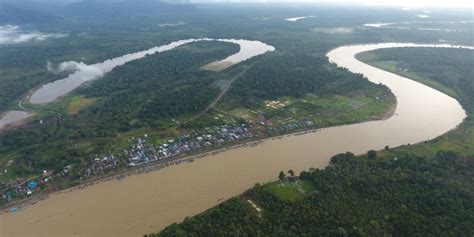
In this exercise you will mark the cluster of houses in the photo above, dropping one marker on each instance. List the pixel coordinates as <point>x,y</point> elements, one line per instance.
<point>142,152</point>
<point>276,104</point>
<point>100,165</point>
<point>22,187</point>
<point>289,126</point>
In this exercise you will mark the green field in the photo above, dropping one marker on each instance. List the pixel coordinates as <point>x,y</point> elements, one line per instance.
<point>78,103</point>
<point>289,191</point>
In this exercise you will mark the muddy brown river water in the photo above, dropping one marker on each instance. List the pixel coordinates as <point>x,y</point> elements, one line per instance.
<point>148,202</point>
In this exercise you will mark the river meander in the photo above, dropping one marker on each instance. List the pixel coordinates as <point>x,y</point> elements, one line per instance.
<point>148,202</point>
<point>55,90</point>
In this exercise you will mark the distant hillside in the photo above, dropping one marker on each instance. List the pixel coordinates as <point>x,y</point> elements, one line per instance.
<point>37,12</point>
<point>17,14</point>
<point>125,8</point>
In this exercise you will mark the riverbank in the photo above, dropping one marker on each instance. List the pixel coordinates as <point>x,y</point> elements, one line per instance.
<point>447,163</point>
<point>368,106</point>
<point>154,166</point>
<point>156,199</point>
<point>450,79</point>
<point>13,118</point>
<point>51,91</point>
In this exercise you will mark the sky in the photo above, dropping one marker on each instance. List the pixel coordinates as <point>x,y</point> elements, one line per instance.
<point>402,3</point>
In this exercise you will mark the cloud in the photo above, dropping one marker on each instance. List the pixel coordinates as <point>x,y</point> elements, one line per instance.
<point>73,66</point>
<point>10,34</point>
<point>179,23</point>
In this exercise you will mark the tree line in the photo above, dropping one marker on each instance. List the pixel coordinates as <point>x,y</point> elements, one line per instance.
<point>354,196</point>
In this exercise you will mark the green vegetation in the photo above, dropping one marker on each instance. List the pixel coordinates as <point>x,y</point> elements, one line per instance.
<point>447,70</point>
<point>418,190</point>
<point>292,75</point>
<point>289,191</point>
<point>166,88</point>
<point>164,95</point>
<point>287,88</point>
<point>153,91</point>
<point>78,103</point>
<point>354,196</point>
<point>322,111</point>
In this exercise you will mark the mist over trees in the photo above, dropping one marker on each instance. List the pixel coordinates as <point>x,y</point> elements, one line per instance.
<point>30,11</point>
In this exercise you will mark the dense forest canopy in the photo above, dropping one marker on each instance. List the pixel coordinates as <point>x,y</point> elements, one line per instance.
<point>148,92</point>
<point>354,196</point>
<point>399,193</point>
<point>295,75</point>
<point>147,95</point>
<point>452,68</point>
<point>23,66</point>
<point>163,86</point>
<point>447,70</point>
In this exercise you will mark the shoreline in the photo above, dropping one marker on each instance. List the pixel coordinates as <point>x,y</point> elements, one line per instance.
<point>391,110</point>
<point>158,165</point>
<point>161,164</point>
<point>18,122</point>
<point>155,165</point>
<point>255,47</point>
<point>168,196</point>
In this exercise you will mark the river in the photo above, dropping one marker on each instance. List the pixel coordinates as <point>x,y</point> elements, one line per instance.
<point>12,117</point>
<point>148,202</point>
<point>55,90</point>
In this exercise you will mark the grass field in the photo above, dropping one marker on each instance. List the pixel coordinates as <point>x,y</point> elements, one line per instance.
<point>323,111</point>
<point>79,102</point>
<point>289,191</point>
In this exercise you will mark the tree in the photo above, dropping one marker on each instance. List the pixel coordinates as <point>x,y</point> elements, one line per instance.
<point>291,173</point>
<point>282,176</point>
<point>371,154</point>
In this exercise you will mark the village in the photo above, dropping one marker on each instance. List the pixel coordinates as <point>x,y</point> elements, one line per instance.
<point>141,152</point>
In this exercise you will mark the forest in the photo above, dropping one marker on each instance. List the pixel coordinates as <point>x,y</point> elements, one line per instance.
<point>172,87</point>
<point>447,70</point>
<point>160,88</point>
<point>287,74</point>
<point>450,68</point>
<point>353,196</point>
<point>23,66</point>
<point>414,190</point>
<point>158,92</point>
<point>170,84</point>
